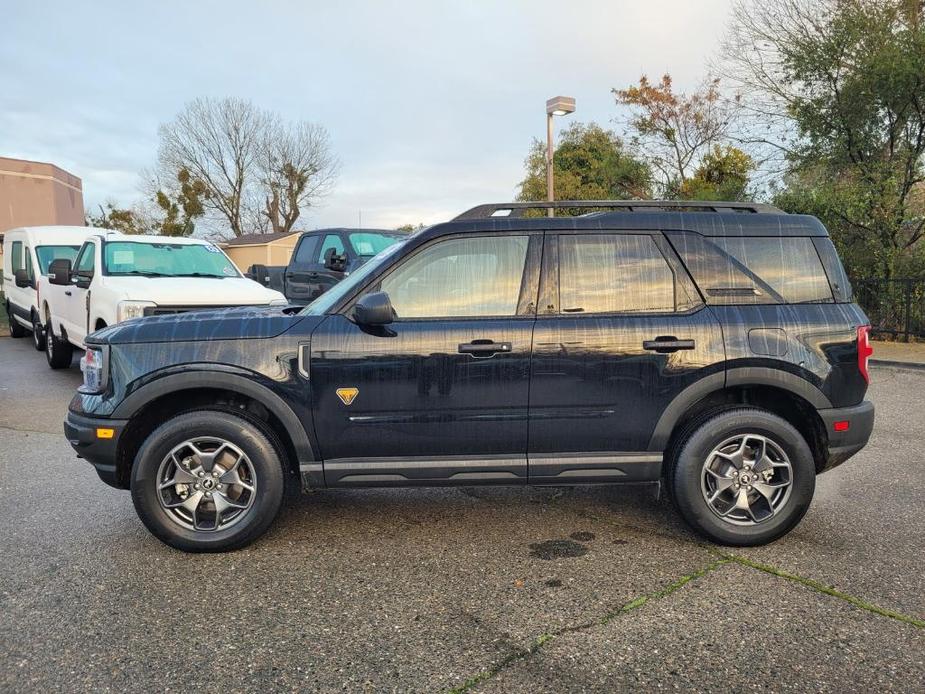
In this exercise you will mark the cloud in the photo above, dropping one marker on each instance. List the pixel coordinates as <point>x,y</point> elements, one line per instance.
<point>431,105</point>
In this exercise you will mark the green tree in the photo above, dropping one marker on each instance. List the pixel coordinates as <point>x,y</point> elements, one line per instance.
<point>723,174</point>
<point>847,76</point>
<point>117,219</point>
<point>174,210</point>
<point>676,132</point>
<point>180,208</point>
<point>589,163</point>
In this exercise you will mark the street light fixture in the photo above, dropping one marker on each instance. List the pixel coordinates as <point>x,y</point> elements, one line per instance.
<point>556,106</point>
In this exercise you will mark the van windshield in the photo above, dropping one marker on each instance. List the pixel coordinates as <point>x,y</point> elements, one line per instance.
<point>46,254</point>
<point>157,259</point>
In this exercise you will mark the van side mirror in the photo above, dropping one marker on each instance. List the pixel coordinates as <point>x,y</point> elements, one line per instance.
<point>374,309</point>
<point>332,261</point>
<point>22,279</point>
<point>59,271</point>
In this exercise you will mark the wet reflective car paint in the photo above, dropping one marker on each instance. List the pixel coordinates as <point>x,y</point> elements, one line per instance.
<point>570,384</point>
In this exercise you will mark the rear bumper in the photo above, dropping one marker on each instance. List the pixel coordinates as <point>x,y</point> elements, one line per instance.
<point>844,444</point>
<point>86,438</point>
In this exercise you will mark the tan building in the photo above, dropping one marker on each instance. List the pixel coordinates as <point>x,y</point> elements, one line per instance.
<point>33,193</point>
<point>261,249</point>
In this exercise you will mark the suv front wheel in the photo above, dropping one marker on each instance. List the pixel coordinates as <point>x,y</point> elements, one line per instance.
<point>207,481</point>
<point>742,476</point>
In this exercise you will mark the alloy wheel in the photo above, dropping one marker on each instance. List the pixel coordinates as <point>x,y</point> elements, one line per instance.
<point>206,484</point>
<point>746,479</point>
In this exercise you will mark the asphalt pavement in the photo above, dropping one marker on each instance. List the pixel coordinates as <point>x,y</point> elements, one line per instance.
<point>481,589</point>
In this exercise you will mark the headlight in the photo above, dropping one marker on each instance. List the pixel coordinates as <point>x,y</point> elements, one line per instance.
<point>279,302</point>
<point>132,309</point>
<point>95,367</point>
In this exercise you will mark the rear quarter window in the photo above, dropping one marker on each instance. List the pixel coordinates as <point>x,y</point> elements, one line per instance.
<point>754,269</point>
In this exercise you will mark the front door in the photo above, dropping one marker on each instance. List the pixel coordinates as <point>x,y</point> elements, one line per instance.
<point>77,294</point>
<point>441,394</point>
<point>620,333</point>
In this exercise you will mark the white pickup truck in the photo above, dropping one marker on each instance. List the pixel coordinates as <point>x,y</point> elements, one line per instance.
<point>116,277</point>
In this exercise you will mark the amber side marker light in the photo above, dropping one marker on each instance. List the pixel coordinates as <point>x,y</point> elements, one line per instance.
<point>841,426</point>
<point>105,433</point>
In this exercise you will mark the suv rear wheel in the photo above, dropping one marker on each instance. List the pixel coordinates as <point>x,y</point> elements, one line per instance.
<point>742,476</point>
<point>207,481</point>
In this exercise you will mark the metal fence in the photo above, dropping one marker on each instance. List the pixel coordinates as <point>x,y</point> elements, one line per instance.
<point>895,307</point>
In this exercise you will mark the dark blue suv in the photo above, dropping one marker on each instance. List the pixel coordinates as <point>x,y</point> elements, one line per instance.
<point>712,347</point>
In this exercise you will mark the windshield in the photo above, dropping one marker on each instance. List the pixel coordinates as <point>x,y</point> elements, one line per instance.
<point>46,254</point>
<point>367,244</point>
<point>152,259</point>
<point>323,303</point>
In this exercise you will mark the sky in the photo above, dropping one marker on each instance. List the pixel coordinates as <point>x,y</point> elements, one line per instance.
<point>431,106</point>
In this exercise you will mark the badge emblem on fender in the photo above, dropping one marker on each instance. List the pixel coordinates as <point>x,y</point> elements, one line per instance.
<point>347,395</point>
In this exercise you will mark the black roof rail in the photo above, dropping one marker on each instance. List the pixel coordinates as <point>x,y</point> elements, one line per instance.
<point>517,209</point>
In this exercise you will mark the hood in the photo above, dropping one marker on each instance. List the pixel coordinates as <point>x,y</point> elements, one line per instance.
<point>248,322</point>
<point>192,291</point>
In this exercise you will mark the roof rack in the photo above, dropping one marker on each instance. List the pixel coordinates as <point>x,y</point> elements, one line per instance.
<point>517,209</point>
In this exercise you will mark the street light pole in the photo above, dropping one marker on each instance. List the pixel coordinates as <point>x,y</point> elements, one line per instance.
<point>556,106</point>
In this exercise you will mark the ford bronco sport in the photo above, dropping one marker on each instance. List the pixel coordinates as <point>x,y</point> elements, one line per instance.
<point>712,347</point>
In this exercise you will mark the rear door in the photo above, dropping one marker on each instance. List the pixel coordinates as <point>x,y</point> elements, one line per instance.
<point>620,332</point>
<point>440,395</point>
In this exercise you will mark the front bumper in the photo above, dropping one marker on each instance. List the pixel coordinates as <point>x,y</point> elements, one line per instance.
<point>845,443</point>
<point>89,437</point>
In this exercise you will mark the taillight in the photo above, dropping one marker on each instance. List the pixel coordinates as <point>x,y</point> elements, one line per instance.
<point>864,351</point>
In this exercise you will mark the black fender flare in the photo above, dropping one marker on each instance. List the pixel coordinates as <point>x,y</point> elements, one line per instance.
<point>740,376</point>
<point>223,380</point>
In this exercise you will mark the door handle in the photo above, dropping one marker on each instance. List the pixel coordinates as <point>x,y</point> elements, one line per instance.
<point>67,292</point>
<point>664,345</point>
<point>484,348</point>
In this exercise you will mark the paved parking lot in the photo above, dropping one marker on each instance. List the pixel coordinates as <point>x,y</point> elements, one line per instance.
<point>495,589</point>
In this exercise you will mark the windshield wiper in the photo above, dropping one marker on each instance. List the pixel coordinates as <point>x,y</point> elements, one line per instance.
<point>142,273</point>
<point>201,274</point>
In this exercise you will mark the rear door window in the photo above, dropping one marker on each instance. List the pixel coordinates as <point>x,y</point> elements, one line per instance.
<point>17,256</point>
<point>306,252</point>
<point>616,273</point>
<point>754,269</point>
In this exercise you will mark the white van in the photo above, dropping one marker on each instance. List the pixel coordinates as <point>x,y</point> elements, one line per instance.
<point>115,277</point>
<point>27,253</point>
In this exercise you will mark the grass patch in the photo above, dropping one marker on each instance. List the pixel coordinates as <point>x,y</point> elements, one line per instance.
<point>827,590</point>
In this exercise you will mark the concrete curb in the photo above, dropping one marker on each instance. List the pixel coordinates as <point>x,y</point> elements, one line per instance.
<point>915,366</point>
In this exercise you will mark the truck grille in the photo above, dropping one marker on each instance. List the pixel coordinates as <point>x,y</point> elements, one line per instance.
<point>164,310</point>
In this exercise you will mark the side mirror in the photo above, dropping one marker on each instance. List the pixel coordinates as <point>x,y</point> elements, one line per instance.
<point>335,262</point>
<point>260,273</point>
<point>22,279</point>
<point>59,272</point>
<point>374,309</point>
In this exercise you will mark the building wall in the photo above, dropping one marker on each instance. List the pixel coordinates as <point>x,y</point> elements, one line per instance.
<point>277,253</point>
<point>34,193</point>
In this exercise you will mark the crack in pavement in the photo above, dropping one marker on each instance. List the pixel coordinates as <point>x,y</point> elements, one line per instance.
<point>27,431</point>
<point>546,637</point>
<point>825,590</point>
<point>725,559</point>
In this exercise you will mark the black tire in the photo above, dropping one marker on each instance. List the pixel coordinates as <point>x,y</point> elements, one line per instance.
<point>58,351</point>
<point>239,431</point>
<point>16,330</point>
<point>38,333</point>
<point>692,450</point>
